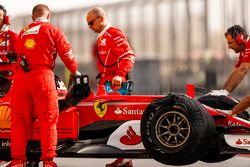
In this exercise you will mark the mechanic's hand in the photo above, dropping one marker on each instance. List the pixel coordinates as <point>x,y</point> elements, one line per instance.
<point>221,92</point>
<point>117,81</point>
<point>72,76</point>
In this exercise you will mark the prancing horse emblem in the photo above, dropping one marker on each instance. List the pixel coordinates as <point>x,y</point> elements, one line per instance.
<point>100,108</point>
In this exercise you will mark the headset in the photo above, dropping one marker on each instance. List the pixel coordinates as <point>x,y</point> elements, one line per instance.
<point>6,19</point>
<point>239,37</point>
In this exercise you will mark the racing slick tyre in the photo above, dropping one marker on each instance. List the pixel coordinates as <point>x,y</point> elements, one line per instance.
<point>176,130</point>
<point>225,103</point>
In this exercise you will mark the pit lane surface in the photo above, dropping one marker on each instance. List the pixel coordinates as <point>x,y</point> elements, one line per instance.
<point>237,161</point>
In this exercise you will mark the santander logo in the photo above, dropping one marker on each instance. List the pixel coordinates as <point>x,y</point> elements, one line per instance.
<point>131,138</point>
<point>239,142</point>
<point>243,142</point>
<point>118,111</point>
<point>127,111</point>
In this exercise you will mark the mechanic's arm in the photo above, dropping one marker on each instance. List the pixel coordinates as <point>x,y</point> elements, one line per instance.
<point>241,106</point>
<point>236,77</point>
<point>65,52</point>
<point>125,58</point>
<point>125,65</point>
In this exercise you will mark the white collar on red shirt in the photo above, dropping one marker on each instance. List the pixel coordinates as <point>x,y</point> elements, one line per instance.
<point>42,19</point>
<point>104,30</point>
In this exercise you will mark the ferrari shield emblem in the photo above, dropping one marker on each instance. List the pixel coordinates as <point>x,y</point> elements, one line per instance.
<point>100,108</point>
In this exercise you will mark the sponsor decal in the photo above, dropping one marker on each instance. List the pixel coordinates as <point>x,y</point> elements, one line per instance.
<point>33,30</point>
<point>100,108</point>
<point>103,42</point>
<point>119,41</point>
<point>231,123</point>
<point>239,142</point>
<point>5,117</point>
<point>127,111</point>
<point>127,136</point>
<point>5,143</point>
<point>242,142</point>
<point>118,111</point>
<point>131,138</point>
<point>30,43</point>
<point>1,40</point>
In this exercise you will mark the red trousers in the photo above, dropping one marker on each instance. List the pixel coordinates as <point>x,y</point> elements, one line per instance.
<point>34,97</point>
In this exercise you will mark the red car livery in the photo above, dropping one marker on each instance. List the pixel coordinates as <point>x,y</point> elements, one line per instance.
<point>176,129</point>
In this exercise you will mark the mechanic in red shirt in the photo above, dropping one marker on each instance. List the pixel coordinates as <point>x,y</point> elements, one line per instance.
<point>114,57</point>
<point>34,93</point>
<point>237,40</point>
<point>7,36</point>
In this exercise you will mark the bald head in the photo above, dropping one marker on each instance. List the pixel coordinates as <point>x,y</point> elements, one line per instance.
<point>97,11</point>
<point>96,19</point>
<point>41,10</point>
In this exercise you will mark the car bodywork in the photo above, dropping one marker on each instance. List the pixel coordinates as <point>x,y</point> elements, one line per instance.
<point>176,129</point>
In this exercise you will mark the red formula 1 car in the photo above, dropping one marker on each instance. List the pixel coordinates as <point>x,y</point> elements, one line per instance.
<point>176,129</point>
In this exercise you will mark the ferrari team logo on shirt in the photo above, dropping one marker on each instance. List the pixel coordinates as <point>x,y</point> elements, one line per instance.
<point>25,28</point>
<point>4,117</point>
<point>1,40</point>
<point>30,43</point>
<point>103,42</point>
<point>99,40</point>
<point>33,30</point>
<point>100,108</point>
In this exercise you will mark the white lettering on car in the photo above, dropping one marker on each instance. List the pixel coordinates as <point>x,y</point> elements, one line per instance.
<point>231,123</point>
<point>127,111</point>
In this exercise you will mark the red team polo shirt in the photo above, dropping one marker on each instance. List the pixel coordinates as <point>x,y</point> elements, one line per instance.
<point>50,42</point>
<point>115,56</point>
<point>244,56</point>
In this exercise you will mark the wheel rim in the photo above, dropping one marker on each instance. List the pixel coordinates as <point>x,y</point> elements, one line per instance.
<point>172,129</point>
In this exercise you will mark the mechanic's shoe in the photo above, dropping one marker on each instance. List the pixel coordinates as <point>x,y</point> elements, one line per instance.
<point>17,163</point>
<point>121,162</point>
<point>128,164</point>
<point>49,164</point>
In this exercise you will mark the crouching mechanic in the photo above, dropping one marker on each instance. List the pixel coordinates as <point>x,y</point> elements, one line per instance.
<point>238,40</point>
<point>114,58</point>
<point>34,90</point>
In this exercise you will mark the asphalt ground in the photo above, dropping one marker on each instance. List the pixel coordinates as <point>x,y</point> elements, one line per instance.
<point>237,161</point>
